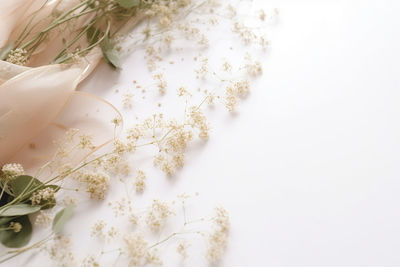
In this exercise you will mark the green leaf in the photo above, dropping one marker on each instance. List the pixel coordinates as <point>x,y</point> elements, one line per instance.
<point>128,3</point>
<point>24,183</point>
<point>5,51</point>
<point>110,54</point>
<point>11,239</point>
<point>5,220</point>
<point>18,210</point>
<point>62,217</point>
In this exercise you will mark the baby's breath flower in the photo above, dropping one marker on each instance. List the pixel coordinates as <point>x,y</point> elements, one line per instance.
<point>18,56</point>
<point>11,170</point>
<point>165,22</point>
<point>121,147</point>
<point>245,33</point>
<point>119,207</point>
<point>198,120</point>
<point>60,251</point>
<point>136,247</point>
<point>133,218</point>
<point>140,181</point>
<point>202,71</point>
<point>253,67</point>
<point>98,228</point>
<point>112,233</point>
<point>90,261</point>
<point>230,99</point>
<point>116,121</point>
<point>219,238</point>
<point>97,183</point>
<point>226,66</point>
<point>138,251</point>
<point>183,91</point>
<point>178,141</point>
<point>43,219</point>
<point>168,40</point>
<point>85,142</point>
<point>242,88</point>
<point>210,98</point>
<point>182,249</point>
<point>157,215</point>
<point>127,100</point>
<point>161,83</point>
<point>45,194</point>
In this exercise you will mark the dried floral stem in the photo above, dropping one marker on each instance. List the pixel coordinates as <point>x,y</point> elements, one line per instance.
<point>22,250</point>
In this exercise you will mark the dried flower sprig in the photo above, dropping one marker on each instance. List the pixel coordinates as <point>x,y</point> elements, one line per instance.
<point>103,21</point>
<point>170,138</point>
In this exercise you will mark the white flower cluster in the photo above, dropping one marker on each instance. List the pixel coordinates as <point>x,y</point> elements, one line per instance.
<point>97,183</point>
<point>45,194</point>
<point>157,215</point>
<point>219,238</point>
<point>11,170</point>
<point>199,121</point>
<point>18,56</point>
<point>138,251</point>
<point>235,90</point>
<point>140,181</point>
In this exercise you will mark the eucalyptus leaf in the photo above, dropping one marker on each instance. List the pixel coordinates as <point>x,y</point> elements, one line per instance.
<point>5,220</point>
<point>11,239</point>
<point>110,53</point>
<point>5,51</point>
<point>128,3</point>
<point>24,183</point>
<point>62,217</point>
<point>18,210</point>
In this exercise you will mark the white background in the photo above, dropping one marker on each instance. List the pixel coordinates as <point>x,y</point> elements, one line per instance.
<point>308,168</point>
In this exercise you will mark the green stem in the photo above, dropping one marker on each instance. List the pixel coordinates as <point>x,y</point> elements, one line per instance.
<point>87,48</point>
<point>3,189</point>
<point>60,20</point>
<point>75,39</point>
<point>164,240</point>
<point>22,36</point>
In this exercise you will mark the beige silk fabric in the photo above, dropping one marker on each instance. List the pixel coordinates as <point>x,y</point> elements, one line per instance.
<point>34,99</point>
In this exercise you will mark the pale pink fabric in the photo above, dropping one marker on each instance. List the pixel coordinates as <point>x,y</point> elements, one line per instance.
<point>32,98</point>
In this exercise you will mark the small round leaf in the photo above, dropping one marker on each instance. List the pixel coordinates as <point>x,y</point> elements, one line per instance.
<point>62,217</point>
<point>11,239</point>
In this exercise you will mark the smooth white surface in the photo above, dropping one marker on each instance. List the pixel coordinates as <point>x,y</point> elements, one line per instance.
<point>308,168</point>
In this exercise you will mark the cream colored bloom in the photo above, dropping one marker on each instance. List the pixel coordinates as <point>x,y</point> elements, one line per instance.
<point>12,170</point>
